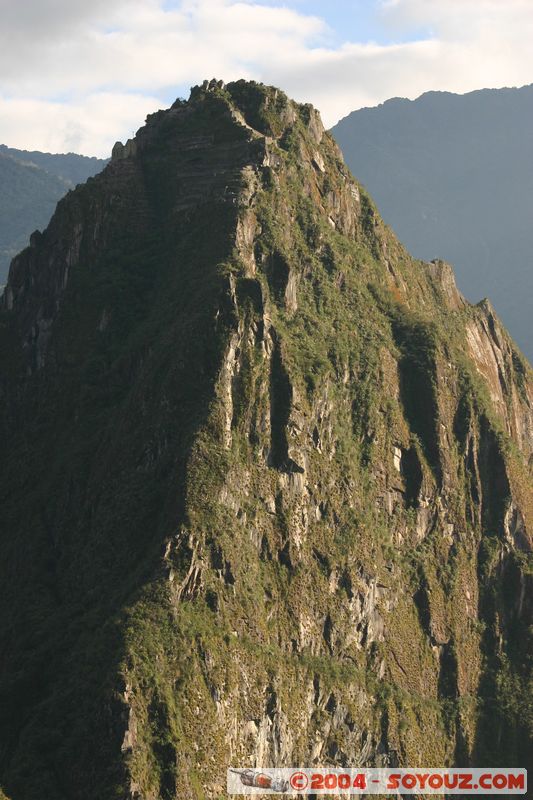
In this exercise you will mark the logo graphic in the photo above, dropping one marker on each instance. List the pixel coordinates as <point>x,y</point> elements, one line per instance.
<point>260,780</point>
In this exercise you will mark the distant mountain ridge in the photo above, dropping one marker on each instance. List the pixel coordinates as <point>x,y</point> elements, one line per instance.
<point>71,167</point>
<point>453,175</point>
<point>32,182</point>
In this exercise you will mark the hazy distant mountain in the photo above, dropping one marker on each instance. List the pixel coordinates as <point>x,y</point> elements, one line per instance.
<point>31,184</point>
<point>453,175</point>
<point>72,167</point>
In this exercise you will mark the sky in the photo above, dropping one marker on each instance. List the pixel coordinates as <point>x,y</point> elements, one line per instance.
<point>78,75</point>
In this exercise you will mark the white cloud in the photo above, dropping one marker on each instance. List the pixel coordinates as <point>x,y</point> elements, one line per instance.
<point>80,127</point>
<point>111,61</point>
<point>469,44</point>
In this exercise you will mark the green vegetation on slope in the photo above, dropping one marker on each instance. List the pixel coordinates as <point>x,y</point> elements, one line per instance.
<point>453,176</point>
<point>214,556</point>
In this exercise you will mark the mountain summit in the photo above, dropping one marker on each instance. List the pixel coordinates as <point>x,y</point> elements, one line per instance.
<point>266,496</point>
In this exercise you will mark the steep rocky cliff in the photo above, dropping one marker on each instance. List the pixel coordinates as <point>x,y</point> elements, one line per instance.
<point>32,183</point>
<point>453,175</point>
<point>266,493</point>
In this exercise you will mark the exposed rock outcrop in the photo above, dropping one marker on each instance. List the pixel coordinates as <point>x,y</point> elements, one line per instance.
<point>267,495</point>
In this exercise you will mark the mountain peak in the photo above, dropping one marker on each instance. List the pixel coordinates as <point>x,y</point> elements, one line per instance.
<point>264,110</point>
<point>264,474</point>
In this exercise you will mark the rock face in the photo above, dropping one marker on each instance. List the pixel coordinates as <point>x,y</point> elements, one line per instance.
<point>32,183</point>
<point>453,175</point>
<point>266,496</point>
